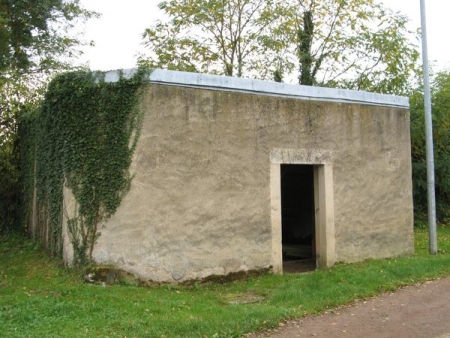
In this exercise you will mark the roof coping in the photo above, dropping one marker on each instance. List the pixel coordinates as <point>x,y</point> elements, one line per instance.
<point>259,87</point>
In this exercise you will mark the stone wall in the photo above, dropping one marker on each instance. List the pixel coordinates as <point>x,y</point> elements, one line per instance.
<point>200,201</point>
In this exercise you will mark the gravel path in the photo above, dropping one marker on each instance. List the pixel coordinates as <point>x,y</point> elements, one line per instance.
<point>414,311</point>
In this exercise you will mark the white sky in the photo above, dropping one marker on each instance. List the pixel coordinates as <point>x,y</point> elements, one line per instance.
<point>118,33</point>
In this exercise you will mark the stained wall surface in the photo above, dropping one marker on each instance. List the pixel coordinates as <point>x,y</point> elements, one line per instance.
<point>199,203</point>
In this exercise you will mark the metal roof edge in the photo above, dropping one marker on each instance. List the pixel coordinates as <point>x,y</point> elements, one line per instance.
<point>260,87</point>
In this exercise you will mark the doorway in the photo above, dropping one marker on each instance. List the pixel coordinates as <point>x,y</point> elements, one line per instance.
<point>298,217</point>
<point>312,170</point>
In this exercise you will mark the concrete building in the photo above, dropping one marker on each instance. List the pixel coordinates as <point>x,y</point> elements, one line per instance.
<point>237,175</point>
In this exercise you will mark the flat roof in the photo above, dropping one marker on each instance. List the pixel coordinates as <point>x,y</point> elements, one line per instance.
<point>259,87</point>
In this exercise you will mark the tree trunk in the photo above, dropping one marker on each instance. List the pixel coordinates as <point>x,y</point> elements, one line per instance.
<point>305,36</point>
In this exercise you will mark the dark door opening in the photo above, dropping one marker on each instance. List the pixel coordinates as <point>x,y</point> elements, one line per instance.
<point>298,217</point>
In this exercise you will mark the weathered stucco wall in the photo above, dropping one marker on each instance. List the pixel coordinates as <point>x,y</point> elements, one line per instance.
<point>200,204</point>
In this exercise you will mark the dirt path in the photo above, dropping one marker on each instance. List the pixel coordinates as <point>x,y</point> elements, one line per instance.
<point>414,311</point>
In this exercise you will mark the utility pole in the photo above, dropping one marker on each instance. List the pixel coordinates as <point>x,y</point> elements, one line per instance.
<point>429,137</point>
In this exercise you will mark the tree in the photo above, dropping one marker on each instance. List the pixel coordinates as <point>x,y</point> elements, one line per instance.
<point>15,97</point>
<point>305,37</point>
<point>35,35</point>
<point>212,36</point>
<point>36,40</point>
<point>441,137</point>
<point>357,44</point>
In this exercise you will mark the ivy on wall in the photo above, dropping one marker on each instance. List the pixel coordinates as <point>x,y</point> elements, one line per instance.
<point>83,137</point>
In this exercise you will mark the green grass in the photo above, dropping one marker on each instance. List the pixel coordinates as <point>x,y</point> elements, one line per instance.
<point>39,298</point>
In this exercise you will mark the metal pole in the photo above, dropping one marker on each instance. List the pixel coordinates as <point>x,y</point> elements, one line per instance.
<point>429,137</point>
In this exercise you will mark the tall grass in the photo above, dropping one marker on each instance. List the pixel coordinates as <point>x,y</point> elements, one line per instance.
<point>40,298</point>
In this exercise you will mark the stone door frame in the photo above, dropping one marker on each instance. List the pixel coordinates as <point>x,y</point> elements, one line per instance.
<point>323,200</point>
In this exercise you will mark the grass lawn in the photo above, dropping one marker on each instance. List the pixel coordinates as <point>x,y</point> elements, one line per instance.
<point>39,298</point>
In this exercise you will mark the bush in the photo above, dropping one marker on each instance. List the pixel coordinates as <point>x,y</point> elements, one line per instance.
<point>441,135</point>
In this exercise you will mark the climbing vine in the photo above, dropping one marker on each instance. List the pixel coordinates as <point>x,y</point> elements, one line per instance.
<point>83,138</point>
